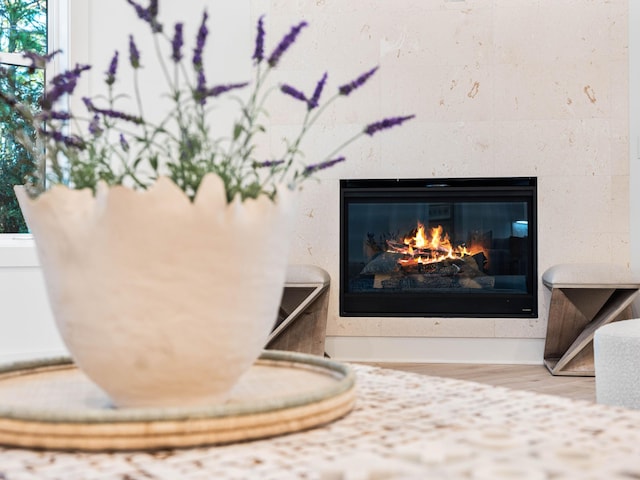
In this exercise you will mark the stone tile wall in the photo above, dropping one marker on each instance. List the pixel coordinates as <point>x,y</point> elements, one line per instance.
<point>500,88</point>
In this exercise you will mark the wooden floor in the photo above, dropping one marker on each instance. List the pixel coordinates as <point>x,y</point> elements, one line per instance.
<point>535,378</point>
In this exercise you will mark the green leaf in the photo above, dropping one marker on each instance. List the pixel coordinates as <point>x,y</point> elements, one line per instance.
<point>237,130</point>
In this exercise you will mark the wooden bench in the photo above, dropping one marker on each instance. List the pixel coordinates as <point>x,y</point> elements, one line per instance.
<point>302,320</point>
<point>583,298</point>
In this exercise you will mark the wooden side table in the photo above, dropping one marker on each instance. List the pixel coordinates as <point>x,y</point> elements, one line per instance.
<point>302,320</point>
<point>583,297</point>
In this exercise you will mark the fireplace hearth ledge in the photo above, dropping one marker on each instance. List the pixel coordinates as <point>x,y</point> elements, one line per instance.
<point>524,351</point>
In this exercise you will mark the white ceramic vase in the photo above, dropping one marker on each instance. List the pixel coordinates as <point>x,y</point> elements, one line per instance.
<point>162,301</point>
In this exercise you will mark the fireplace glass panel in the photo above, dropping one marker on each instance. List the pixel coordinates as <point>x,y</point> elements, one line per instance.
<point>438,248</point>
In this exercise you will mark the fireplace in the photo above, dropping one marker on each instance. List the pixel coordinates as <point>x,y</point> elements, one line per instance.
<point>438,247</point>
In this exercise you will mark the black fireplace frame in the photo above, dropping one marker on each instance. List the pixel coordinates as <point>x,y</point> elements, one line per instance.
<point>440,304</point>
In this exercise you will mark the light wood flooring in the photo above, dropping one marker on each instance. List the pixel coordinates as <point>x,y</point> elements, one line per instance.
<point>534,378</point>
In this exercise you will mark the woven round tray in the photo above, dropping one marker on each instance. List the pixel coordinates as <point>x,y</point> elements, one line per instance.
<point>51,404</point>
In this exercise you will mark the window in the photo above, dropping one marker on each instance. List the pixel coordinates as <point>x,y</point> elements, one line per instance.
<point>23,27</point>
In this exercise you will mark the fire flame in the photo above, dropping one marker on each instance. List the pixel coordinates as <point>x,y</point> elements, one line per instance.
<point>428,248</point>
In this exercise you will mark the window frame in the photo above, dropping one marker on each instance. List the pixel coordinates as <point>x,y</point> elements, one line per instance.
<point>18,249</point>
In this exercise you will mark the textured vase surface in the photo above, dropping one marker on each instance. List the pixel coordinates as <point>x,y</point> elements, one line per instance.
<point>162,301</point>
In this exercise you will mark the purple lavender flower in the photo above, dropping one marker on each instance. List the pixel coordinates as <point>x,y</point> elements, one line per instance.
<point>176,43</point>
<point>40,61</point>
<point>123,143</point>
<point>148,14</point>
<point>315,99</point>
<point>70,141</point>
<point>153,8</point>
<point>268,163</point>
<point>142,12</point>
<point>200,41</point>
<point>200,93</point>
<point>285,43</point>
<point>63,83</point>
<point>53,115</point>
<point>385,124</point>
<point>134,53</point>
<point>358,82</point>
<point>289,90</point>
<point>258,53</point>
<point>309,169</point>
<point>220,89</point>
<point>113,68</point>
<point>94,126</point>
<point>111,113</point>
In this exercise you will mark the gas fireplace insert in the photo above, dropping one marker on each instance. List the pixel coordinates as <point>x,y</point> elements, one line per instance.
<point>461,247</point>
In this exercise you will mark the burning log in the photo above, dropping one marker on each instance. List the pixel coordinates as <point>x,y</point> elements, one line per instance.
<point>423,262</point>
<point>462,272</point>
<point>446,268</point>
<point>429,252</point>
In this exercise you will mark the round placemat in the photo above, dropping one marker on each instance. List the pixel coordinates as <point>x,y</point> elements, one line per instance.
<point>51,404</point>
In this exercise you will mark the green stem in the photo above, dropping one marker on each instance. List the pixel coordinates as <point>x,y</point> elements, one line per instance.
<point>163,65</point>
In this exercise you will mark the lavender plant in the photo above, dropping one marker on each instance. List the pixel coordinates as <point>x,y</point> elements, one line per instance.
<point>106,144</point>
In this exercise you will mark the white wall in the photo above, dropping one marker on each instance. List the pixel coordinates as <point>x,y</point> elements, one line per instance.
<point>26,324</point>
<point>508,87</point>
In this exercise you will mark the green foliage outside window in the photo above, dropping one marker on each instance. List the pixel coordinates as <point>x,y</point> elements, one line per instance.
<point>23,27</point>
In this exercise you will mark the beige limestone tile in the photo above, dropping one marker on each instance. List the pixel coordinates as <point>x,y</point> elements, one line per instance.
<point>515,34</point>
<point>594,216</point>
<point>619,208</point>
<point>317,223</point>
<point>544,297</point>
<point>418,327</point>
<point>349,44</point>
<point>620,156</point>
<point>321,6</point>
<point>520,327</point>
<point>535,147</point>
<point>319,144</point>
<point>577,31</point>
<point>499,4</point>
<point>440,37</point>
<point>408,7</point>
<point>286,110</point>
<point>258,8</point>
<point>423,150</point>
<point>619,29</point>
<point>620,246</point>
<point>559,246</point>
<point>440,93</point>
<point>551,90</point>
<point>556,147</point>
<point>362,105</point>
<point>619,80</point>
<point>328,42</point>
<point>578,234</point>
<point>592,146</point>
<point>621,150</point>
